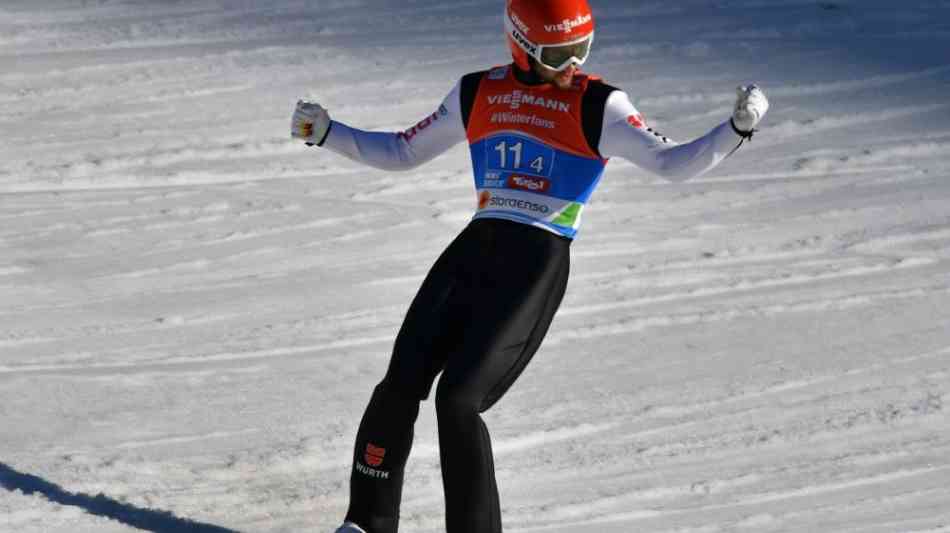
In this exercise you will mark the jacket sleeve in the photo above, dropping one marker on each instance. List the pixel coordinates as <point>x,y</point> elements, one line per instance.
<point>405,150</point>
<point>626,135</point>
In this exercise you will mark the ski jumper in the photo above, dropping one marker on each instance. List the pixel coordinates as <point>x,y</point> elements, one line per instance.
<point>537,153</point>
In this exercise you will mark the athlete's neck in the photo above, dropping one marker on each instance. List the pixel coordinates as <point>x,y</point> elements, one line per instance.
<point>527,77</point>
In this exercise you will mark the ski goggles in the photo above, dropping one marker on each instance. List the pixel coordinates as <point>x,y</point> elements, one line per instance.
<point>559,57</point>
<point>556,57</point>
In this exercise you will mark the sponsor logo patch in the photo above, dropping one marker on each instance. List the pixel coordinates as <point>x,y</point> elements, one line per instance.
<point>516,203</point>
<point>483,199</point>
<point>372,472</point>
<point>636,120</point>
<point>423,124</point>
<point>520,23</point>
<point>516,118</point>
<point>530,184</point>
<point>567,25</point>
<point>517,98</point>
<point>530,47</point>
<point>374,455</point>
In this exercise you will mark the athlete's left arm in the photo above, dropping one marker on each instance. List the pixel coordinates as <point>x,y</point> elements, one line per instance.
<point>625,134</point>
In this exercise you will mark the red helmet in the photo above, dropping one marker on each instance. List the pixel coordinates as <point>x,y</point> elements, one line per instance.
<point>556,33</point>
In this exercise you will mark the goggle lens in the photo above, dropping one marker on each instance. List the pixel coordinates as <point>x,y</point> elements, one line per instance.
<point>559,57</point>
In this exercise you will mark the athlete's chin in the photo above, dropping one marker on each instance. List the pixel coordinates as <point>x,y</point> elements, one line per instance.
<point>565,78</point>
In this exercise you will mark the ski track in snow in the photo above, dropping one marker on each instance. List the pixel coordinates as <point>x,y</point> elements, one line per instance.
<point>195,308</point>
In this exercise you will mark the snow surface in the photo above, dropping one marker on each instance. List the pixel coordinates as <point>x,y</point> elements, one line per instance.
<point>194,309</point>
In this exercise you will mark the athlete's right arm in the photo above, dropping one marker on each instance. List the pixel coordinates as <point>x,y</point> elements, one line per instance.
<point>405,150</point>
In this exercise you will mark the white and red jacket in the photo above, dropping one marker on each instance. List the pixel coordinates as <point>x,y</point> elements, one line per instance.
<point>537,151</point>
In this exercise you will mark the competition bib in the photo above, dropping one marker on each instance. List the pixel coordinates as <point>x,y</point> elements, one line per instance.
<point>531,160</point>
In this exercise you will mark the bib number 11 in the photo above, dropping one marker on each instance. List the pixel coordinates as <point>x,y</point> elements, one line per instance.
<point>516,150</point>
<point>512,153</point>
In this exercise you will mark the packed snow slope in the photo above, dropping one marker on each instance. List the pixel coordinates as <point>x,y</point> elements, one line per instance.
<point>194,309</point>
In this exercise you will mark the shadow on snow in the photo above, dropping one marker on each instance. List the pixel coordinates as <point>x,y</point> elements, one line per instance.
<point>101,505</point>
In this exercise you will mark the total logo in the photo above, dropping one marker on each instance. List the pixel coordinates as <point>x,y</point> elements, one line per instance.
<point>567,25</point>
<point>526,183</point>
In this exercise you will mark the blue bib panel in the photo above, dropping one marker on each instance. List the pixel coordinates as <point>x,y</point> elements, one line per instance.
<point>523,179</point>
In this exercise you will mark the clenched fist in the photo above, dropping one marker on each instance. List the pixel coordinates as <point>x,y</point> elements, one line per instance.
<point>310,122</point>
<point>751,106</point>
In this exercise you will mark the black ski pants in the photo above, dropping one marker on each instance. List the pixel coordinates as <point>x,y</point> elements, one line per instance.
<point>478,318</point>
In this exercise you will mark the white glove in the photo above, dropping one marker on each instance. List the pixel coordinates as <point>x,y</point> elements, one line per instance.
<point>751,106</point>
<point>310,122</point>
